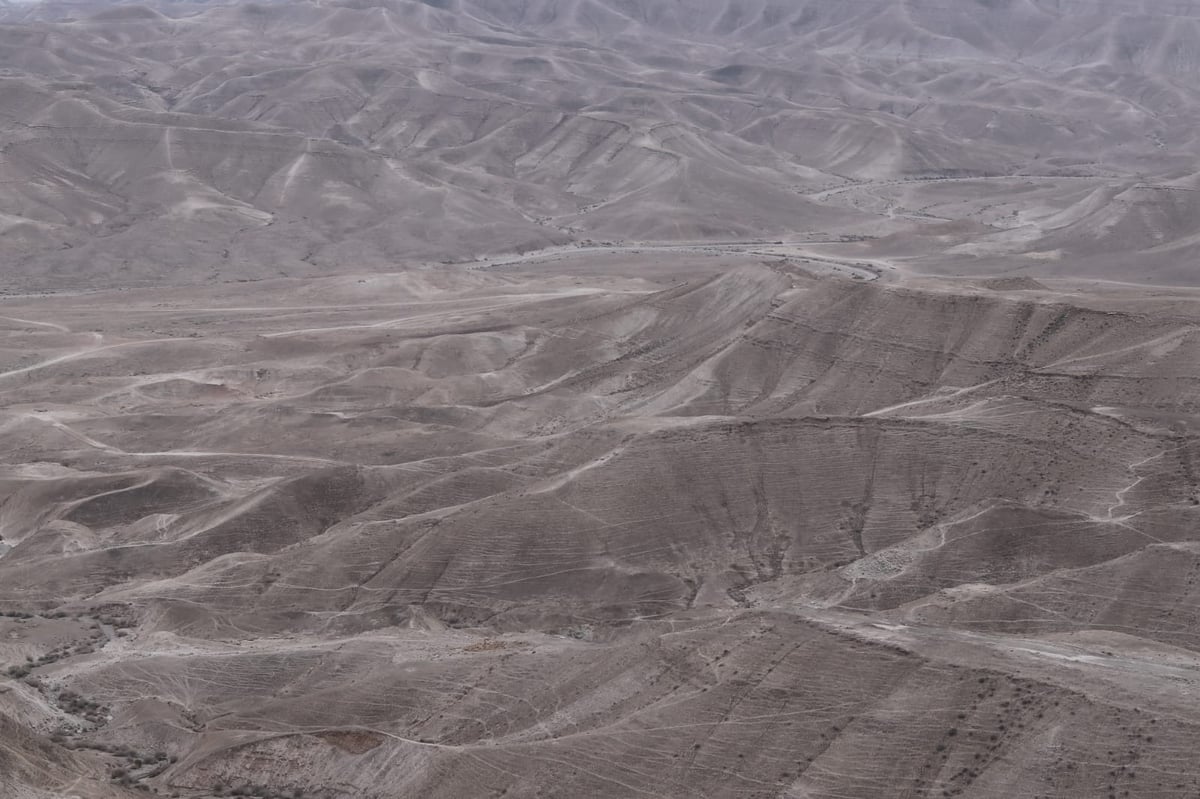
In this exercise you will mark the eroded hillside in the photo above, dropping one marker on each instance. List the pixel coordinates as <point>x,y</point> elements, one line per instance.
<point>595,398</point>
<point>206,142</point>
<point>604,524</point>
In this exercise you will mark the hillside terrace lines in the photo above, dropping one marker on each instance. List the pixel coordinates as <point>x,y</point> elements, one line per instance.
<point>1170,338</point>
<point>945,393</point>
<point>83,353</point>
<point>50,325</point>
<point>919,181</point>
<point>1058,661</point>
<point>867,269</point>
<point>49,419</point>
<point>272,311</point>
<point>855,626</point>
<point>401,323</point>
<point>898,559</point>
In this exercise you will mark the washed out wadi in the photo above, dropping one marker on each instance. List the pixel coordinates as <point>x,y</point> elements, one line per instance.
<point>574,399</point>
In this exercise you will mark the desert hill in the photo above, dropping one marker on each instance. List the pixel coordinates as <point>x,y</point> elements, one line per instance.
<point>597,398</point>
<point>605,524</point>
<point>197,142</point>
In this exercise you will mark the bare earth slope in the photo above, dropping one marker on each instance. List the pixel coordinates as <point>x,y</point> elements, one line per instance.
<point>198,142</point>
<point>599,399</point>
<point>603,525</point>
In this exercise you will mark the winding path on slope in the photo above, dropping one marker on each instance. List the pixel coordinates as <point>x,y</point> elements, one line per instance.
<point>824,194</point>
<point>861,269</point>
